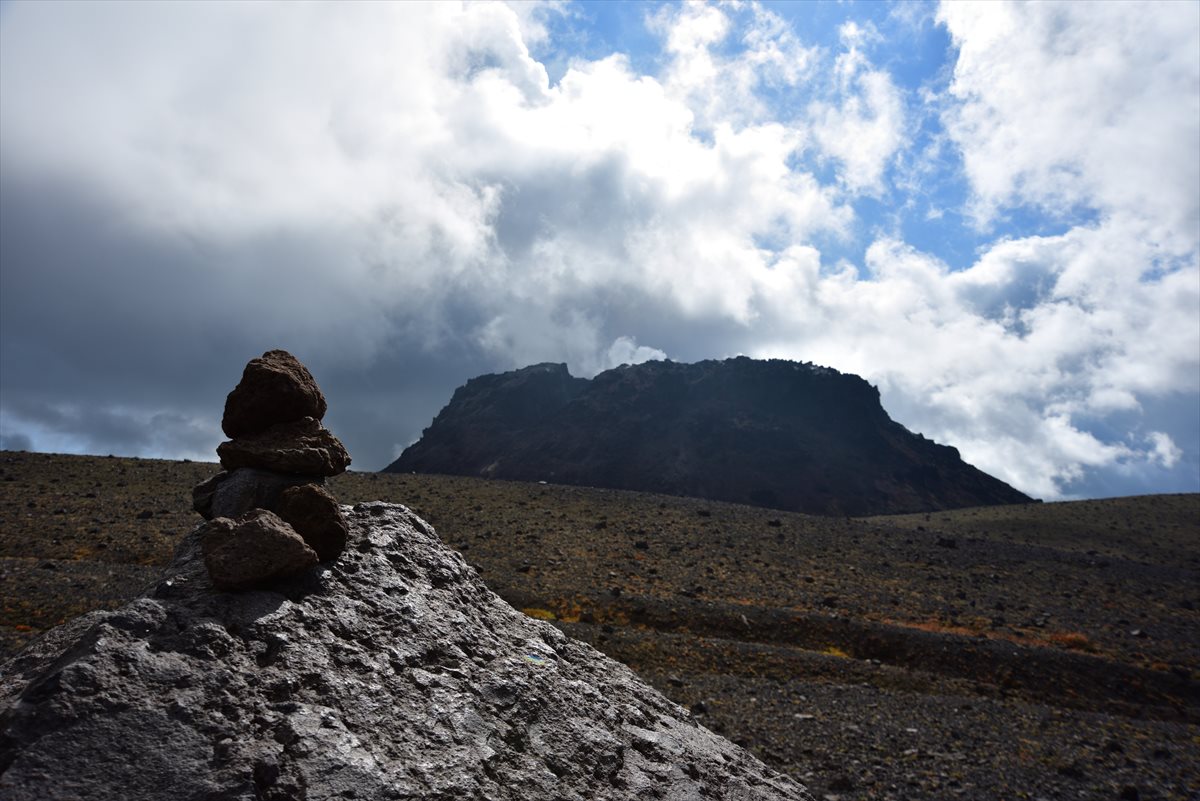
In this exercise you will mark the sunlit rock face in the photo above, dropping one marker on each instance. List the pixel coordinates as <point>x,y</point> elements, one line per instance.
<point>389,673</point>
<point>768,433</point>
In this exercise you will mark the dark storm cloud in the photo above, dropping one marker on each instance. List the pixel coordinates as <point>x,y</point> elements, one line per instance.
<point>103,330</point>
<point>15,442</point>
<point>92,322</point>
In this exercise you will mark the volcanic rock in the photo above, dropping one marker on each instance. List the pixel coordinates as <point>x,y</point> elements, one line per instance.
<point>275,388</point>
<point>390,673</point>
<point>771,433</point>
<point>278,445</point>
<point>316,516</point>
<point>252,550</point>
<point>301,446</point>
<point>233,494</point>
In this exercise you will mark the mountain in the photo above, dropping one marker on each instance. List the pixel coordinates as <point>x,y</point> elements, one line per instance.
<point>775,433</point>
<point>390,673</point>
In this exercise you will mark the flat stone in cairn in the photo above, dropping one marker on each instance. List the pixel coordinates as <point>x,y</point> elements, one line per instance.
<point>302,447</point>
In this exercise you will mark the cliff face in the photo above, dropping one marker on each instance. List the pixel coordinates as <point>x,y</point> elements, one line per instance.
<point>390,673</point>
<point>768,433</point>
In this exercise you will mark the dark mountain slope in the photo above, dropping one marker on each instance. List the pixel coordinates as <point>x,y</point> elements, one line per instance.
<point>768,433</point>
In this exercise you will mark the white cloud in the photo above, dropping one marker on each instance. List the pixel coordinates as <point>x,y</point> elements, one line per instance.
<point>1165,452</point>
<point>1093,108</point>
<point>626,350</point>
<point>1009,358</point>
<point>420,147</point>
<point>1092,105</point>
<point>360,179</point>
<point>866,128</point>
<point>719,87</point>
<point>532,16</point>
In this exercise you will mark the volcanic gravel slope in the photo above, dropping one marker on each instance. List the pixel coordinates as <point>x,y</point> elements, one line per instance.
<point>1042,650</point>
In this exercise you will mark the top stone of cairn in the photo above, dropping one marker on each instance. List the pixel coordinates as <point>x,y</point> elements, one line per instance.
<point>275,388</point>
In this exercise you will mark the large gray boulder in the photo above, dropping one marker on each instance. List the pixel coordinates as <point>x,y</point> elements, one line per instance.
<point>392,673</point>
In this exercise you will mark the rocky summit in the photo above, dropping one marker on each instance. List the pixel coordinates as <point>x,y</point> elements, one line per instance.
<point>772,433</point>
<point>268,511</point>
<point>390,673</point>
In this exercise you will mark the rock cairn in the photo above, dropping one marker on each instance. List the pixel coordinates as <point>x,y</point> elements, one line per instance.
<point>270,515</point>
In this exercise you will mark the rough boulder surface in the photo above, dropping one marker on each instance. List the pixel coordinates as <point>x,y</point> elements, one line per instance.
<point>274,388</point>
<point>392,673</point>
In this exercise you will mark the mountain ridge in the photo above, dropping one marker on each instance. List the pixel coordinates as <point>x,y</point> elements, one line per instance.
<point>772,433</point>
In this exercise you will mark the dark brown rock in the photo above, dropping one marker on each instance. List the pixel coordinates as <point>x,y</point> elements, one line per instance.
<point>275,388</point>
<point>302,447</point>
<point>204,492</point>
<point>233,494</point>
<point>252,550</point>
<point>317,517</point>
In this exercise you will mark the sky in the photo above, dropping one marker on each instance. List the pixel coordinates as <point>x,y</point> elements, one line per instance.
<point>991,211</point>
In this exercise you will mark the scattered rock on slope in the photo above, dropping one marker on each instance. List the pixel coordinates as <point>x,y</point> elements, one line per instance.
<point>391,673</point>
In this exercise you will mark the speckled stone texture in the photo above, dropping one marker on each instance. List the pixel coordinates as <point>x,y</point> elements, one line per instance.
<point>392,673</point>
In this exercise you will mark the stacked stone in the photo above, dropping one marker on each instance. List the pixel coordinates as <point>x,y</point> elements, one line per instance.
<point>270,515</point>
